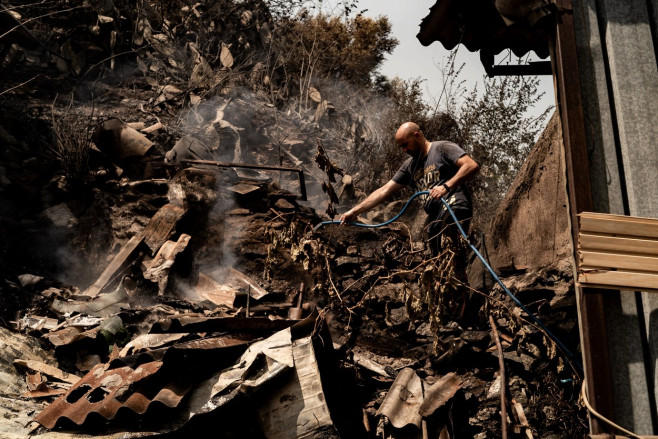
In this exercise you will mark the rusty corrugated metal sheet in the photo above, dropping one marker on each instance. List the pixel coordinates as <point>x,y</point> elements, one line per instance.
<point>404,399</point>
<point>105,391</point>
<point>439,393</point>
<point>494,26</point>
<point>136,381</point>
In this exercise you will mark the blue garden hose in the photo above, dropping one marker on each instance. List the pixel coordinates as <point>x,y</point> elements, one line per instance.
<point>372,226</point>
<point>570,355</point>
<point>564,349</point>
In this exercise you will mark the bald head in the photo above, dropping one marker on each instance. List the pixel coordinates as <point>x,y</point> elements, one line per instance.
<point>411,139</point>
<point>407,129</point>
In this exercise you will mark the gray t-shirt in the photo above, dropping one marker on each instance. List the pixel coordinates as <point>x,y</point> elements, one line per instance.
<point>436,168</point>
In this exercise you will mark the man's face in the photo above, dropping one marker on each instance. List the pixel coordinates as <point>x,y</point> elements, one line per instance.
<point>410,145</point>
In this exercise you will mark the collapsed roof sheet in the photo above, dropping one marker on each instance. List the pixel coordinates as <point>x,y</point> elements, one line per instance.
<point>488,25</point>
<point>136,381</point>
<point>105,391</point>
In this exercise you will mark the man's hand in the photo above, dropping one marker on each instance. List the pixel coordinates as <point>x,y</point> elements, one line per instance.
<point>348,216</point>
<point>372,200</point>
<point>438,191</point>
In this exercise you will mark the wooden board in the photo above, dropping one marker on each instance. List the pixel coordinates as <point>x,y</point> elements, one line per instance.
<point>607,243</point>
<point>121,260</point>
<point>618,252</point>
<point>618,225</point>
<point>617,261</point>
<point>620,280</point>
<point>161,227</point>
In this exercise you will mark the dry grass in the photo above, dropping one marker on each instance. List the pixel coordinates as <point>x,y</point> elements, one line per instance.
<point>71,142</point>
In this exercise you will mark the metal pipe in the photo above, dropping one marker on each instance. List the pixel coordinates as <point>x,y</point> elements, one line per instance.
<point>503,384</point>
<point>299,171</point>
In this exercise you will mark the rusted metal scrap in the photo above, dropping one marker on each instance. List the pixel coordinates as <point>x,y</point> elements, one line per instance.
<point>207,288</point>
<point>411,399</point>
<point>47,369</point>
<point>198,323</point>
<point>439,393</point>
<point>104,391</point>
<point>136,377</point>
<point>66,336</point>
<point>403,400</point>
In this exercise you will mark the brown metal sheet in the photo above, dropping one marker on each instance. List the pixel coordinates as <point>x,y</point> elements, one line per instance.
<point>104,391</point>
<point>43,392</point>
<point>403,400</point>
<point>197,323</point>
<point>64,336</point>
<point>197,355</point>
<point>47,369</point>
<point>148,342</point>
<point>207,288</point>
<point>161,226</point>
<point>440,393</point>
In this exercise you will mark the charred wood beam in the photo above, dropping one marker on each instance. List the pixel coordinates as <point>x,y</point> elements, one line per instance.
<point>299,171</point>
<point>501,362</point>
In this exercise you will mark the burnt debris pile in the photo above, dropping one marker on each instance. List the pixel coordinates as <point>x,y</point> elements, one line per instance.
<point>161,270</point>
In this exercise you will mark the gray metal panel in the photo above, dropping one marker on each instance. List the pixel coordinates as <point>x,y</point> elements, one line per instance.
<point>633,78</point>
<point>632,408</point>
<point>604,170</point>
<point>653,12</point>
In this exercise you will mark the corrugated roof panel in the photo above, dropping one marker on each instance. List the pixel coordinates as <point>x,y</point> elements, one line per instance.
<point>105,391</point>
<point>518,25</point>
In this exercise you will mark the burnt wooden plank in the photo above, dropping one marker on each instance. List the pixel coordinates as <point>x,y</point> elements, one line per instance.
<point>162,226</point>
<point>120,261</point>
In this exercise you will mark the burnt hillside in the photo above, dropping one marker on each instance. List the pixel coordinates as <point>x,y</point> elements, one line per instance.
<point>162,274</point>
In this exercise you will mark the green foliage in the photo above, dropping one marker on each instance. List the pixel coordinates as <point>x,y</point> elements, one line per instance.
<point>312,48</point>
<point>499,134</point>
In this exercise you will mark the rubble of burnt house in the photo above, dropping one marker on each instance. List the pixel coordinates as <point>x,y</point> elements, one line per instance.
<point>190,289</point>
<point>220,307</point>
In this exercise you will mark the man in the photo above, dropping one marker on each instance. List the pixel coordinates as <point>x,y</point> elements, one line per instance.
<point>440,167</point>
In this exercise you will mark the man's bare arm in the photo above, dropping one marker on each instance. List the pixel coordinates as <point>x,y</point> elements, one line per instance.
<point>375,198</point>
<point>467,170</point>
